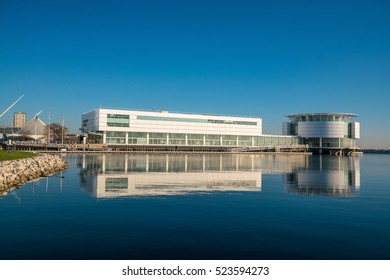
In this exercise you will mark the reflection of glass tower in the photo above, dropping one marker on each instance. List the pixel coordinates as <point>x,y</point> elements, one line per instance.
<point>19,120</point>
<point>324,175</point>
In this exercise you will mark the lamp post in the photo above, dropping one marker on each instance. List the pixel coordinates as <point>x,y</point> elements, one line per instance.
<point>62,131</point>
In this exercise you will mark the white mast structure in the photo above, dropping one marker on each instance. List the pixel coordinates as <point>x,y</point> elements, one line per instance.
<point>2,114</point>
<point>11,106</point>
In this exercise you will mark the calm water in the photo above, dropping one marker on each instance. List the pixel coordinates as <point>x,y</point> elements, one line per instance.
<point>152,206</point>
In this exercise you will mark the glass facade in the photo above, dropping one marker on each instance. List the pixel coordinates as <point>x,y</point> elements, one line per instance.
<point>193,120</point>
<point>330,142</point>
<point>321,118</point>
<point>158,138</point>
<point>195,139</point>
<point>137,138</point>
<point>229,140</point>
<point>114,137</point>
<point>141,138</point>
<point>118,120</point>
<point>212,140</point>
<point>177,139</point>
<point>244,141</point>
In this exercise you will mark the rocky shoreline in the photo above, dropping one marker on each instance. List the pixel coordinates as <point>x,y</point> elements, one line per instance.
<point>15,173</point>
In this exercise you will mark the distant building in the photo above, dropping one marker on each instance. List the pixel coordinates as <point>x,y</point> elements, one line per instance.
<point>162,130</point>
<point>19,120</point>
<point>35,128</point>
<point>329,133</point>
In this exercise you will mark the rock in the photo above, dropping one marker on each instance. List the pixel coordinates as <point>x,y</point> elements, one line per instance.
<point>18,172</point>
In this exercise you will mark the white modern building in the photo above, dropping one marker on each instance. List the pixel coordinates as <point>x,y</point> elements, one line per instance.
<point>180,130</point>
<point>325,132</point>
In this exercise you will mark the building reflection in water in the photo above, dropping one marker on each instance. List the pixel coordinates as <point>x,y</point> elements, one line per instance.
<point>118,175</point>
<point>326,175</point>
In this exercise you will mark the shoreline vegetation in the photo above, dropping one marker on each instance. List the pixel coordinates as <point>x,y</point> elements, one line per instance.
<point>15,173</point>
<point>14,155</point>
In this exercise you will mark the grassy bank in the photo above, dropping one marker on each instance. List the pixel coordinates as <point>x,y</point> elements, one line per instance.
<point>11,155</point>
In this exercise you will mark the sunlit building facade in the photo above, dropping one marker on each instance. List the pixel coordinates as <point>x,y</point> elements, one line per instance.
<point>331,133</point>
<point>324,132</point>
<point>161,128</point>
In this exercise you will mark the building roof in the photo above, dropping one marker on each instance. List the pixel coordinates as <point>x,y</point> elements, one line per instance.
<point>344,116</point>
<point>172,112</point>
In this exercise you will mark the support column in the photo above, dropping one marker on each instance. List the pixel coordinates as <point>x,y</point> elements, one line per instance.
<point>167,163</point>
<point>126,162</point>
<point>103,163</point>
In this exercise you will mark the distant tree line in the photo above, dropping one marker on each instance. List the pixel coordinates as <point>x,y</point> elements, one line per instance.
<point>56,133</point>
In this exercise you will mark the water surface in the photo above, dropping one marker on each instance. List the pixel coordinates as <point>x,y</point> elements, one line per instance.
<point>158,206</point>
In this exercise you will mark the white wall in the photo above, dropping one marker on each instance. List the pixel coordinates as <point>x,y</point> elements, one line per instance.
<point>322,129</point>
<point>355,130</point>
<point>137,125</point>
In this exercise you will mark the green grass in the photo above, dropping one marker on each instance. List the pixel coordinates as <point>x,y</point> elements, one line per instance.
<point>11,155</point>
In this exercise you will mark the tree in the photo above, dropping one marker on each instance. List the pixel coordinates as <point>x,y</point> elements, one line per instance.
<point>56,133</point>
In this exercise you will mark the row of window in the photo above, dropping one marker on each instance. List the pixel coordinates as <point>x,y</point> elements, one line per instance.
<point>141,138</point>
<point>322,118</point>
<point>117,120</point>
<point>328,142</point>
<point>173,119</point>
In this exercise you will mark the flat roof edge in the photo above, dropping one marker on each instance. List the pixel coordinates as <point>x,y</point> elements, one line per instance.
<point>321,114</point>
<point>172,112</point>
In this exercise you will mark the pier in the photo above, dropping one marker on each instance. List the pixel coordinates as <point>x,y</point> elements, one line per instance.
<point>75,148</point>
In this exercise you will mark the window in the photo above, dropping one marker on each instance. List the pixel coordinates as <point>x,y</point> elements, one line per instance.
<point>137,138</point>
<point>113,137</point>
<point>158,138</point>
<point>213,140</point>
<point>118,120</point>
<point>177,139</point>
<point>195,139</point>
<point>85,122</point>
<point>229,140</point>
<point>173,119</point>
<point>244,141</point>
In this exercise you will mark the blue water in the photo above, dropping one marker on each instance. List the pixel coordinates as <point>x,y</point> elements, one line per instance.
<point>202,207</point>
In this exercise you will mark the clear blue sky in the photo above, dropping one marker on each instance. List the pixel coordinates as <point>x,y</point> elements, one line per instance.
<point>251,58</point>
